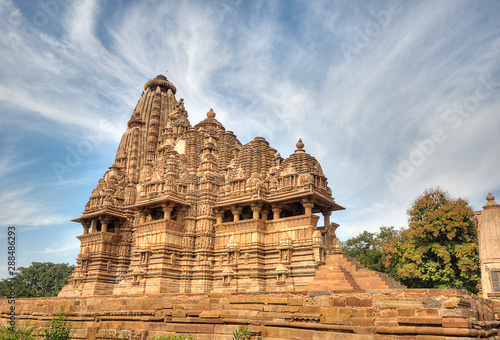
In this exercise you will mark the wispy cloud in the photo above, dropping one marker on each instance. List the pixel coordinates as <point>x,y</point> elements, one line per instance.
<point>18,207</point>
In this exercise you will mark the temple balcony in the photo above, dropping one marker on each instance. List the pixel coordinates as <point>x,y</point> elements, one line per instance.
<point>161,224</point>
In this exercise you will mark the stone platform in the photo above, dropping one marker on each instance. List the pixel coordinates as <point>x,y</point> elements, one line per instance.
<point>356,314</point>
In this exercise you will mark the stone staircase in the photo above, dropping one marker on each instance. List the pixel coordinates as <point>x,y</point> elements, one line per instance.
<point>342,272</point>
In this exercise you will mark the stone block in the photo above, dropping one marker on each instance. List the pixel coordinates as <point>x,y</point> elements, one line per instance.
<point>427,312</point>
<point>270,332</point>
<point>336,319</point>
<point>338,301</point>
<point>310,309</point>
<point>406,312</point>
<point>261,299</point>
<point>291,309</point>
<point>210,314</point>
<point>290,333</point>
<point>237,299</point>
<point>345,311</point>
<point>456,302</point>
<point>329,311</point>
<point>386,322</point>
<point>424,320</point>
<point>225,329</point>
<point>397,303</point>
<point>388,313</point>
<point>323,301</point>
<point>353,301</point>
<point>295,301</point>
<point>364,330</point>
<point>456,323</point>
<point>456,313</point>
<point>277,300</point>
<point>366,322</point>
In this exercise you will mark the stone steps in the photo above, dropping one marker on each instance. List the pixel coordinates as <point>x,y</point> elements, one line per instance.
<point>341,272</point>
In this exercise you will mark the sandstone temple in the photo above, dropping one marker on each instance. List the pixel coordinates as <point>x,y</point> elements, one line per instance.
<point>190,209</point>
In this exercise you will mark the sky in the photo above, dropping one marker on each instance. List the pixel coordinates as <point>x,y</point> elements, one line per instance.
<point>392,97</point>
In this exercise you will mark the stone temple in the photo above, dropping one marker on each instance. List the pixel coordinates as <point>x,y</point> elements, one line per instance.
<point>190,209</point>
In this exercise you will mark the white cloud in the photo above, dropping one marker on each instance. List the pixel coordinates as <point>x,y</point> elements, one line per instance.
<point>18,207</point>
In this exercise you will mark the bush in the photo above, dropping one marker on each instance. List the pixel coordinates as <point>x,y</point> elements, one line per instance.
<point>58,328</point>
<point>20,332</point>
<point>241,334</point>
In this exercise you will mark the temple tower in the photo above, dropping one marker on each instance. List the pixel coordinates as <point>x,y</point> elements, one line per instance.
<point>489,247</point>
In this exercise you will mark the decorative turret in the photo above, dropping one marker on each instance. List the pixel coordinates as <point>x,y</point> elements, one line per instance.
<point>162,82</point>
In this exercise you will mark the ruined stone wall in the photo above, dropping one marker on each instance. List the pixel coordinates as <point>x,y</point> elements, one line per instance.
<point>380,314</point>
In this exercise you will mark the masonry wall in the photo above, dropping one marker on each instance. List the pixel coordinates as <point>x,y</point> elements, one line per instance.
<point>382,314</point>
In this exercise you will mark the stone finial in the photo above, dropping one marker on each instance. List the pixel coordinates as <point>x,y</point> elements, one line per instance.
<point>491,203</point>
<point>211,114</point>
<point>300,146</point>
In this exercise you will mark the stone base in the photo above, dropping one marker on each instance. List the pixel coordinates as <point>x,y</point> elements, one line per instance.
<point>358,314</point>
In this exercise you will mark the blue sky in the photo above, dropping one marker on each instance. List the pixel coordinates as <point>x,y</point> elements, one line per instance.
<point>392,97</point>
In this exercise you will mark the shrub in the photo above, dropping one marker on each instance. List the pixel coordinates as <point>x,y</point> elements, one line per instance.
<point>241,334</point>
<point>20,332</point>
<point>58,328</point>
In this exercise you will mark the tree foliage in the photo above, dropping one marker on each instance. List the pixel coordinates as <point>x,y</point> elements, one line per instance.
<point>370,248</point>
<point>439,249</point>
<point>41,279</point>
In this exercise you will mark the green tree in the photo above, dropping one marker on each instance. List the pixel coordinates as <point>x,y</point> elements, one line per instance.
<point>41,279</point>
<point>370,248</point>
<point>439,249</point>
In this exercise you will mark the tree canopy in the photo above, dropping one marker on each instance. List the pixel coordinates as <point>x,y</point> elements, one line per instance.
<point>41,279</point>
<point>439,248</point>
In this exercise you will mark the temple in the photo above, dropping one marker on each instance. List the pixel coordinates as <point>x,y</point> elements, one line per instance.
<point>188,209</point>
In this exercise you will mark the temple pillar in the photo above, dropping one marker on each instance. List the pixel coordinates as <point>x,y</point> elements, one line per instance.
<point>276,212</point>
<point>143,214</point>
<point>93,226</point>
<point>256,210</point>
<point>236,213</point>
<point>167,210</point>
<point>86,226</point>
<point>264,214</point>
<point>104,223</point>
<point>219,215</point>
<point>308,207</point>
<point>326,216</point>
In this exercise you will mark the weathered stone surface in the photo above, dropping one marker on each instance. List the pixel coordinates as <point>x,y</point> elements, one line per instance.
<point>184,314</point>
<point>397,303</point>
